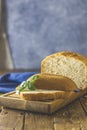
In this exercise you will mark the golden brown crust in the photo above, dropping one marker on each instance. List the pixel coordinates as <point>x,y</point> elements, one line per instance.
<point>42,96</point>
<point>72,55</point>
<point>67,54</point>
<point>54,95</point>
<point>64,53</point>
<point>54,82</point>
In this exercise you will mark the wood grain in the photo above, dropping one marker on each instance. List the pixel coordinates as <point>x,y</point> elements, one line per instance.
<point>11,119</point>
<point>72,118</point>
<point>83,102</point>
<point>12,100</point>
<point>38,122</point>
<point>5,128</point>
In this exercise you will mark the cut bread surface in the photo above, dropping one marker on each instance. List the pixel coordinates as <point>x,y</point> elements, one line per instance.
<point>69,64</point>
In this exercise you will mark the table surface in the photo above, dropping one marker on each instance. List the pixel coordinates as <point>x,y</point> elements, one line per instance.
<point>71,117</point>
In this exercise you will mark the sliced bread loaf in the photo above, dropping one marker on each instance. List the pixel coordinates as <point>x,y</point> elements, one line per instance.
<point>47,87</point>
<point>69,64</point>
<point>53,82</point>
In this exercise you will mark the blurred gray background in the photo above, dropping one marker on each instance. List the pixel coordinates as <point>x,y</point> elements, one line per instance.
<point>37,28</point>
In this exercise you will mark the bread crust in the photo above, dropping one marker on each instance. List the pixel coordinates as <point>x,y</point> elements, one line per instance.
<point>54,82</point>
<point>44,95</point>
<point>67,54</point>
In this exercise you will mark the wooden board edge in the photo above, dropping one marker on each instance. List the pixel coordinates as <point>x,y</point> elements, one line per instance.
<point>18,103</point>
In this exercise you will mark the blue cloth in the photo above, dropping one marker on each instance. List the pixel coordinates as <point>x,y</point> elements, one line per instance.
<point>8,82</point>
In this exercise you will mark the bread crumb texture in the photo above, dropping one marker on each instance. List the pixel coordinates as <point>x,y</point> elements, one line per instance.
<point>69,64</point>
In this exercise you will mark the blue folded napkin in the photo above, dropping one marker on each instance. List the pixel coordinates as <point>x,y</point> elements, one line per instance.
<point>8,82</point>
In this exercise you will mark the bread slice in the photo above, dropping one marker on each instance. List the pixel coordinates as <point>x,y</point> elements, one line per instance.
<point>69,64</point>
<point>43,95</point>
<point>48,87</point>
<point>53,82</point>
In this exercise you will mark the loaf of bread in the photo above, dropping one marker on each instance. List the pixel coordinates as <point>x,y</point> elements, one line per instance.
<point>63,76</point>
<point>69,64</point>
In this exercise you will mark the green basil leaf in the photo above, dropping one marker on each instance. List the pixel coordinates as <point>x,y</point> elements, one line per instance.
<point>31,86</point>
<point>35,77</point>
<point>26,84</point>
<point>23,86</point>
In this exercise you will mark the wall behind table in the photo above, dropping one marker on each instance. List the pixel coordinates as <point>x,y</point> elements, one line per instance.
<point>37,28</point>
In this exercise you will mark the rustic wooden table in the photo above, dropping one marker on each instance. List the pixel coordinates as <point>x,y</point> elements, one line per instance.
<point>71,117</point>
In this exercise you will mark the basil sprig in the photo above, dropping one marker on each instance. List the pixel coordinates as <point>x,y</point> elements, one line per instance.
<point>21,87</point>
<point>35,77</point>
<point>29,84</point>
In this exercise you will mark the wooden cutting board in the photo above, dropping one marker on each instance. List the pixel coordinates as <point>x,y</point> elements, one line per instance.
<point>12,100</point>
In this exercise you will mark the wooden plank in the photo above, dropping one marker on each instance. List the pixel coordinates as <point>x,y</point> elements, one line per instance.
<point>5,128</point>
<point>71,117</point>
<point>12,100</point>
<point>83,102</point>
<point>10,119</point>
<point>25,105</point>
<point>68,118</point>
<point>38,122</point>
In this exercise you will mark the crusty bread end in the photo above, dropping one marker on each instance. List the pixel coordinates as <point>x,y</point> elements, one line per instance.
<point>43,95</point>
